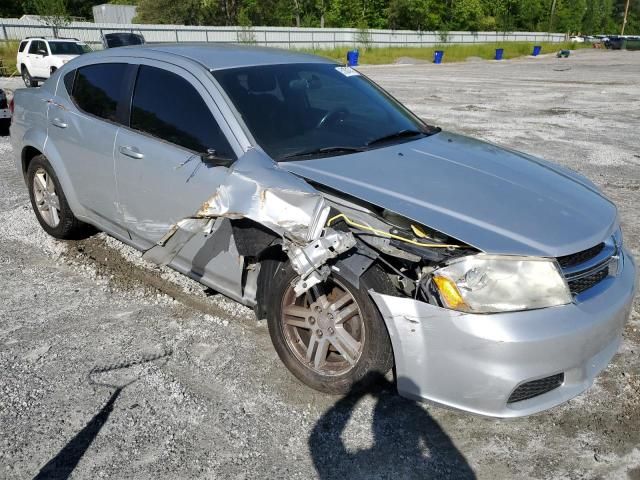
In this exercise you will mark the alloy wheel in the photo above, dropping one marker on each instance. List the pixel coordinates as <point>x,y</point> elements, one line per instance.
<point>47,201</point>
<point>324,328</point>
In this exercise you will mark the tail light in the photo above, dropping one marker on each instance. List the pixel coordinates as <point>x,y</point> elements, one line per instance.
<point>11,105</point>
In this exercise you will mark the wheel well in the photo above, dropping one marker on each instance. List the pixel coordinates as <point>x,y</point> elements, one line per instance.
<point>28,153</point>
<point>53,69</point>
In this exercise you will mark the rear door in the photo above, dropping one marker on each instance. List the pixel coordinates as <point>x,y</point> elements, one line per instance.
<point>161,178</point>
<point>83,123</point>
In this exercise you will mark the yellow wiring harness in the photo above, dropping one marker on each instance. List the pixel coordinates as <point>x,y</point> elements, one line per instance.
<point>382,233</point>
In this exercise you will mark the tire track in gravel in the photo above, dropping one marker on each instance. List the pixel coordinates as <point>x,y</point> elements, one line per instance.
<point>123,274</point>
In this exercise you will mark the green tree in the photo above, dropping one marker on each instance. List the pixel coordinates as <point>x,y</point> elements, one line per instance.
<point>172,12</point>
<point>52,12</point>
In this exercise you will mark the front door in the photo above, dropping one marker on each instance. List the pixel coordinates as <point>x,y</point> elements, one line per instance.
<point>160,174</point>
<point>37,59</point>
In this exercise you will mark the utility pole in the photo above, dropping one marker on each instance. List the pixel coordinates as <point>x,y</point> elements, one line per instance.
<point>553,11</point>
<point>624,21</point>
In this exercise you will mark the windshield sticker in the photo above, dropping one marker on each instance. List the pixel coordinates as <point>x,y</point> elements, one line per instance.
<point>347,71</point>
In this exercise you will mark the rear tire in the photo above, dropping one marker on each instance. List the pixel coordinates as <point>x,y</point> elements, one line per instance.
<point>50,204</point>
<point>311,337</point>
<point>27,78</point>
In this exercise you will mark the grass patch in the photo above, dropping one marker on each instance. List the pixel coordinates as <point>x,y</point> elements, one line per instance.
<point>381,55</point>
<point>452,53</point>
<point>8,52</point>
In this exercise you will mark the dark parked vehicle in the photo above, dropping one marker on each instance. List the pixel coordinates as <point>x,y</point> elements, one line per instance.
<point>121,39</point>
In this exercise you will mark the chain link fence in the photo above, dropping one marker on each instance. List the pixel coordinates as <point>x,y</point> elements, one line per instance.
<point>281,37</point>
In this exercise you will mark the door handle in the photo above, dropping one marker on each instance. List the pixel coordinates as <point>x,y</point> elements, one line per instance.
<point>132,152</point>
<point>58,123</point>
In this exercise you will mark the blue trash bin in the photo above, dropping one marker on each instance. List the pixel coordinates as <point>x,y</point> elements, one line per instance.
<point>536,50</point>
<point>499,52</point>
<point>352,58</point>
<point>437,56</point>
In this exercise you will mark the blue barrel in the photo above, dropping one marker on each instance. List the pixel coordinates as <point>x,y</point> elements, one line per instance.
<point>499,52</point>
<point>352,58</point>
<point>536,50</point>
<point>437,56</point>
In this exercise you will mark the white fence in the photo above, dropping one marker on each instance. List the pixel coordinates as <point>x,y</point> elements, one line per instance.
<point>283,37</point>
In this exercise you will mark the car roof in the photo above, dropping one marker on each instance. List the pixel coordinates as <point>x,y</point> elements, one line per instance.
<point>223,56</point>
<point>52,39</point>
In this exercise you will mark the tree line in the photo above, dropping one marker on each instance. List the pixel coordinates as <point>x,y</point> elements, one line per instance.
<point>568,16</point>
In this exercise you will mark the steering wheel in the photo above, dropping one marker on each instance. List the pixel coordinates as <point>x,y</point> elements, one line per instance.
<point>332,116</point>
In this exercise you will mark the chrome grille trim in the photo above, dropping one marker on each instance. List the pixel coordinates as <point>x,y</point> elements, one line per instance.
<point>584,276</point>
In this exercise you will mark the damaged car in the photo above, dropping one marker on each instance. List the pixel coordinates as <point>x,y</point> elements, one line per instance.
<point>490,281</point>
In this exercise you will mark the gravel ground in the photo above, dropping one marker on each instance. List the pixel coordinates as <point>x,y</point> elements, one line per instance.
<point>206,395</point>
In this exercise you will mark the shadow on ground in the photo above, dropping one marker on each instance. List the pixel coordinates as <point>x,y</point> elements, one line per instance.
<point>64,463</point>
<point>407,441</point>
<point>61,466</point>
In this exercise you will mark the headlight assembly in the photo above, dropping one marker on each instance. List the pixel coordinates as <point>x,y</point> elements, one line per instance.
<point>493,283</point>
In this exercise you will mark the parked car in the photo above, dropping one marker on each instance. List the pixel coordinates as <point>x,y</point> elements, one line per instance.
<point>577,39</point>
<point>5,113</point>
<point>39,57</point>
<point>493,281</point>
<point>121,39</point>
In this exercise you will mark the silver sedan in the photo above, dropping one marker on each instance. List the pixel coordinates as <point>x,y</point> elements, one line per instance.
<point>493,281</point>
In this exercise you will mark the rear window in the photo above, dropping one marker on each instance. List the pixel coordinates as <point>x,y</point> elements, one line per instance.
<point>22,45</point>
<point>97,89</point>
<point>167,106</point>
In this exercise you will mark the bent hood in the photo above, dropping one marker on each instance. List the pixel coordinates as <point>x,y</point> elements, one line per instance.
<point>497,200</point>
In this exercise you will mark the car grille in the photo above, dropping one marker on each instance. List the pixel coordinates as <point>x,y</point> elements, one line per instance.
<point>580,257</point>
<point>581,284</point>
<point>585,269</point>
<point>536,387</point>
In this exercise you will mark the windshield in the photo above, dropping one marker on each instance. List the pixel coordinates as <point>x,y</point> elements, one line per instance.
<point>302,111</point>
<point>67,48</point>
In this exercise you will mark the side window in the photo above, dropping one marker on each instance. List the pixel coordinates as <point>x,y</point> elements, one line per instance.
<point>69,78</point>
<point>33,48</point>
<point>98,88</point>
<point>22,45</point>
<point>166,106</point>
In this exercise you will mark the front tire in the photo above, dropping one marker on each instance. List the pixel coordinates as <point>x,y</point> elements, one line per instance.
<point>50,204</point>
<point>331,338</point>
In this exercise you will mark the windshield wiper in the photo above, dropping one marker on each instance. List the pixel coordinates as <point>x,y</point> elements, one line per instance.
<point>320,151</point>
<point>392,136</point>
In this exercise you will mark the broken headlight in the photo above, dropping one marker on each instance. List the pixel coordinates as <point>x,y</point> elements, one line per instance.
<point>492,283</point>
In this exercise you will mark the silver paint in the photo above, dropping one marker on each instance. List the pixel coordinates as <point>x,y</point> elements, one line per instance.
<point>494,199</point>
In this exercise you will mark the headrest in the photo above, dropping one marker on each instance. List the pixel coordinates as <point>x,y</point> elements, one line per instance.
<point>261,82</point>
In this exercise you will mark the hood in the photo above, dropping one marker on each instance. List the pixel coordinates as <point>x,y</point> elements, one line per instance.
<point>62,59</point>
<point>498,200</point>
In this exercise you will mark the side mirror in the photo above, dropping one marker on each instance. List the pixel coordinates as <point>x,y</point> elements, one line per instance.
<point>212,159</point>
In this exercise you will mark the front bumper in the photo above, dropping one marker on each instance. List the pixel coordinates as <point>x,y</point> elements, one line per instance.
<point>474,362</point>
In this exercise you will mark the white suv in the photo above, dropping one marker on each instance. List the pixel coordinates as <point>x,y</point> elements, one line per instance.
<point>39,57</point>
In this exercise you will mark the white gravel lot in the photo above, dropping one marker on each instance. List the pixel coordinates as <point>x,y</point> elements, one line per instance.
<point>219,404</point>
